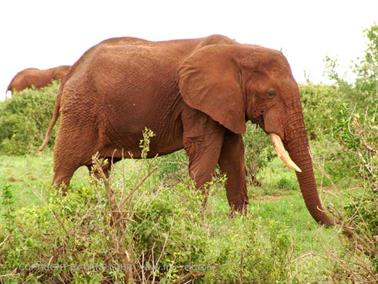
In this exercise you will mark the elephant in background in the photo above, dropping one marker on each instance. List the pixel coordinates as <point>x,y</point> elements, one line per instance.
<point>37,77</point>
<point>195,94</point>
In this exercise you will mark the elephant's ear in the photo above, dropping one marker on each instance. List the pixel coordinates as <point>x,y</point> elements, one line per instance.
<point>210,81</point>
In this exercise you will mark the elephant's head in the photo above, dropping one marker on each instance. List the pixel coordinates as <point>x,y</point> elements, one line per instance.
<point>236,83</point>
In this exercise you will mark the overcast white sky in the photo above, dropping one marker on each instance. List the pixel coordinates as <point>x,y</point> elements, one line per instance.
<point>46,33</point>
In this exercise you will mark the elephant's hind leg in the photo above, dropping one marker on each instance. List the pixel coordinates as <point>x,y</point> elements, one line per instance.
<point>74,148</point>
<point>63,175</point>
<point>66,163</point>
<point>231,162</point>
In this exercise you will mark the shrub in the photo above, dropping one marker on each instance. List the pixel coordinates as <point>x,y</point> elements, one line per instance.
<point>288,184</point>
<point>168,237</point>
<point>319,104</point>
<point>247,251</point>
<point>24,119</point>
<point>356,131</point>
<point>160,233</point>
<point>366,69</point>
<point>173,167</point>
<point>258,152</point>
<point>356,118</point>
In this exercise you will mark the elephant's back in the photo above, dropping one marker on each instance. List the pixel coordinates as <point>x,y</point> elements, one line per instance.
<point>21,74</point>
<point>129,69</point>
<point>133,57</point>
<point>29,77</point>
<point>129,73</point>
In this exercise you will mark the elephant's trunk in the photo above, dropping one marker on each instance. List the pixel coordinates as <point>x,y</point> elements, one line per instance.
<point>298,148</point>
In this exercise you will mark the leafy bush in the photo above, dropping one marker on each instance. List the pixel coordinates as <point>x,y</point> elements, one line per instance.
<point>366,69</point>
<point>357,132</point>
<point>258,152</point>
<point>247,251</point>
<point>166,236</point>
<point>24,119</point>
<point>319,104</point>
<point>357,120</point>
<point>285,183</point>
<point>346,114</point>
<point>173,167</point>
<point>161,235</point>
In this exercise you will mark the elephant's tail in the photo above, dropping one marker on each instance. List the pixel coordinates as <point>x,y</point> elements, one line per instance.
<point>52,123</point>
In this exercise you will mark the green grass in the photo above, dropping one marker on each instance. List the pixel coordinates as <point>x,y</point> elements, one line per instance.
<point>310,242</point>
<point>29,176</point>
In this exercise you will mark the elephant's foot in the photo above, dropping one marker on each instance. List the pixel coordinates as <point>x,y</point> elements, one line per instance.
<point>62,178</point>
<point>61,186</point>
<point>241,208</point>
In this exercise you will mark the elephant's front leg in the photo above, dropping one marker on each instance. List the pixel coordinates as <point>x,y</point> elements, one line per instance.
<point>203,139</point>
<point>231,162</point>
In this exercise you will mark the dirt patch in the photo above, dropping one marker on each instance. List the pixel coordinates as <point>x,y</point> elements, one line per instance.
<point>32,177</point>
<point>268,197</point>
<point>13,179</point>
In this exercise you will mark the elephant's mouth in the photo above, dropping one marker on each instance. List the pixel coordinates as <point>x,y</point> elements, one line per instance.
<point>259,120</point>
<point>278,145</point>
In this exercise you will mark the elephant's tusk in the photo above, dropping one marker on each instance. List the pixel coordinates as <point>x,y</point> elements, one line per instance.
<point>282,154</point>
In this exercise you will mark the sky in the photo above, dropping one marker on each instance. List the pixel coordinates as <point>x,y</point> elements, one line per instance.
<point>47,33</point>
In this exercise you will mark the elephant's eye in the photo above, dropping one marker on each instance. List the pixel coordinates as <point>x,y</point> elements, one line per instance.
<point>271,93</point>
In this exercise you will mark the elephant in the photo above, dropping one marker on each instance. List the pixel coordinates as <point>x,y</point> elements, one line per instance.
<point>37,77</point>
<point>195,94</point>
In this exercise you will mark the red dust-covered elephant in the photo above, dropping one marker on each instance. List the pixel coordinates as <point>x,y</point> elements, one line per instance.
<point>195,94</point>
<point>37,77</point>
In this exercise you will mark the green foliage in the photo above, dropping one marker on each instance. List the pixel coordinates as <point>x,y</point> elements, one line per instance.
<point>364,209</point>
<point>276,179</point>
<point>285,183</point>
<point>247,251</point>
<point>320,102</point>
<point>144,144</point>
<point>357,132</point>
<point>346,114</point>
<point>24,119</point>
<point>31,191</point>
<point>50,241</point>
<point>70,239</point>
<point>258,152</point>
<point>168,237</point>
<point>367,72</point>
<point>356,118</point>
<point>8,206</point>
<point>173,167</point>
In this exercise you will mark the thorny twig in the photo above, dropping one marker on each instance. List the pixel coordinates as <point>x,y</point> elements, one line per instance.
<point>118,222</point>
